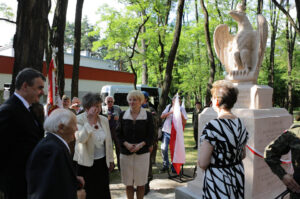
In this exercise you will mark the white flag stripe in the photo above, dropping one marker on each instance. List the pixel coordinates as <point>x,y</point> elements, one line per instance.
<point>179,151</point>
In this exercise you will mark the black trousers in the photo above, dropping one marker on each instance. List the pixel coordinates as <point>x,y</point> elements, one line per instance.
<point>196,136</point>
<point>96,179</point>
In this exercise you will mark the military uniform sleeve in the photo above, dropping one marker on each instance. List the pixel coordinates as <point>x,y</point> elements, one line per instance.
<point>275,150</point>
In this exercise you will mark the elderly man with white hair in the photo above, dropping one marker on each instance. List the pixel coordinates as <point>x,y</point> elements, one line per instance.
<point>113,112</point>
<point>50,173</point>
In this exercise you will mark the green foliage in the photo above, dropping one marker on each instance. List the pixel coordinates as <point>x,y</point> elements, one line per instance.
<point>191,67</point>
<point>6,11</point>
<point>87,37</point>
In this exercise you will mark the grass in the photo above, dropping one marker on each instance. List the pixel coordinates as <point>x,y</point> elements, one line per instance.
<point>190,153</point>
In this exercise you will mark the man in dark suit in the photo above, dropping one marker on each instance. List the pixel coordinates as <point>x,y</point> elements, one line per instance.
<point>20,131</point>
<point>50,173</point>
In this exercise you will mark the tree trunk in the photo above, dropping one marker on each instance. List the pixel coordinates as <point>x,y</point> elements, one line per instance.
<point>244,3</point>
<point>260,4</point>
<point>274,17</point>
<point>171,58</point>
<point>198,54</point>
<point>133,50</point>
<point>161,60</point>
<point>30,39</point>
<point>219,12</point>
<point>134,73</point>
<point>144,53</point>
<point>210,54</point>
<point>290,41</point>
<point>161,38</point>
<point>296,27</point>
<point>297,2</point>
<point>76,56</point>
<point>198,41</point>
<point>58,28</point>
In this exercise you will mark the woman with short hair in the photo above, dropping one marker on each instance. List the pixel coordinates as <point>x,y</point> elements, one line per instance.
<point>135,132</point>
<point>222,147</point>
<point>93,149</point>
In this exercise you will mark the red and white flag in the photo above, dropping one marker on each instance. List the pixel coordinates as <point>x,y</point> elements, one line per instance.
<point>177,139</point>
<point>53,100</point>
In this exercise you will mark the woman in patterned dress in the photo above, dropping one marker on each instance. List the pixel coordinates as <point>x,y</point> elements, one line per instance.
<point>222,147</point>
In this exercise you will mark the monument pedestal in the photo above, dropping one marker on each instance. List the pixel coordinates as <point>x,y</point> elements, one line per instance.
<point>263,126</point>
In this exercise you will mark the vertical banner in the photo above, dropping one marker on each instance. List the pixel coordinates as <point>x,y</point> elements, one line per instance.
<point>177,139</point>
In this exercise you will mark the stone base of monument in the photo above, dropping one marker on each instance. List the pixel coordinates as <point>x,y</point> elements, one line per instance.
<point>263,125</point>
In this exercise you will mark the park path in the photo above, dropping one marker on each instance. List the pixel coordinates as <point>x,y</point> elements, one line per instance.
<point>160,188</point>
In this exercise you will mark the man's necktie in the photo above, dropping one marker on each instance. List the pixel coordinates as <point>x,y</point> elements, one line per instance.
<point>33,115</point>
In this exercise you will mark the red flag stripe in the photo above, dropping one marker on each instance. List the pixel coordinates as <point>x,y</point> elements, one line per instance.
<point>177,166</point>
<point>259,154</point>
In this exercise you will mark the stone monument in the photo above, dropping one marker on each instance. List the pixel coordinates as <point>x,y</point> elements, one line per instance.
<point>242,56</point>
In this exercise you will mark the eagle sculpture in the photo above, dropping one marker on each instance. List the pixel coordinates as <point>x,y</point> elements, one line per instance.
<point>243,53</point>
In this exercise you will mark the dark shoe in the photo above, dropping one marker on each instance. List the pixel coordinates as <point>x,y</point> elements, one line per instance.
<point>147,189</point>
<point>195,147</point>
<point>164,169</point>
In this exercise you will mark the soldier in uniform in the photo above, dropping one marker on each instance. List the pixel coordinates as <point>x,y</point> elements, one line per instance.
<point>288,141</point>
<point>150,108</point>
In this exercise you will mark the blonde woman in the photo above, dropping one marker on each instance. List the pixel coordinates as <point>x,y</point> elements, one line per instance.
<point>135,132</point>
<point>93,149</point>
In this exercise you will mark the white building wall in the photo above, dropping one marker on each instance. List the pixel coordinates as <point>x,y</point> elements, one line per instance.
<point>4,78</point>
<point>85,86</point>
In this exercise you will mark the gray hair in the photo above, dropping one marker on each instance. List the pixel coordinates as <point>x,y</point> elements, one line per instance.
<point>107,97</point>
<point>57,117</point>
<point>91,99</point>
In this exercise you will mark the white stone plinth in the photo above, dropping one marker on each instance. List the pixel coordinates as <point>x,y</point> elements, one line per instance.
<point>263,125</point>
<point>254,96</point>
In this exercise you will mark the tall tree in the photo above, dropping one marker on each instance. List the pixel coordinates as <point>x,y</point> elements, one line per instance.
<point>219,12</point>
<point>58,28</point>
<point>210,53</point>
<point>144,53</point>
<point>77,42</point>
<point>244,3</point>
<point>290,42</point>
<point>260,5</point>
<point>199,97</point>
<point>6,13</point>
<point>274,17</point>
<point>162,21</point>
<point>87,37</point>
<point>171,58</point>
<point>293,23</point>
<point>133,49</point>
<point>31,36</point>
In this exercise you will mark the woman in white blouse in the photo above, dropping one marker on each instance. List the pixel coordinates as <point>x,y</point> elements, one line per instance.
<point>93,149</point>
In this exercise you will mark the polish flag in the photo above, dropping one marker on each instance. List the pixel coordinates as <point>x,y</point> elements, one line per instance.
<point>53,100</point>
<point>177,140</point>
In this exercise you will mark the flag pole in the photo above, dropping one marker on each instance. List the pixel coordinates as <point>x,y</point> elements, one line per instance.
<point>53,99</point>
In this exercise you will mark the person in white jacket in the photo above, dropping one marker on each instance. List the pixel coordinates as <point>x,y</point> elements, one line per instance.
<point>93,149</point>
